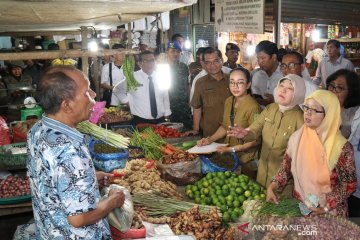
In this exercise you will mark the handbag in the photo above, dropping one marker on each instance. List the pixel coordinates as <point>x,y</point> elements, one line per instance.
<point>108,93</point>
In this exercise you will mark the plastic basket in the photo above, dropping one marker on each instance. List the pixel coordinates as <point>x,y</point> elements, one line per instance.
<point>108,162</point>
<point>10,161</point>
<point>208,166</point>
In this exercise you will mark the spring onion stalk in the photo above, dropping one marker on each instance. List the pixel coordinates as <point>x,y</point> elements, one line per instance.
<point>109,137</point>
<point>156,206</point>
<point>286,207</point>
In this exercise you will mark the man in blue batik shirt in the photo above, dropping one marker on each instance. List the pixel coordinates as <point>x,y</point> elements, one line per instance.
<point>64,187</point>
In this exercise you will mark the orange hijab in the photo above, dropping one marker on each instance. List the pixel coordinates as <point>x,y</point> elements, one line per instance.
<point>315,152</point>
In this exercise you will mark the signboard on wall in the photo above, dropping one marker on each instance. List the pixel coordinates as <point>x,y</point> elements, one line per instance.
<point>245,16</point>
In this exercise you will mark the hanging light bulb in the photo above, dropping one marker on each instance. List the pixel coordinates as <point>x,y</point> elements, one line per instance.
<point>93,46</point>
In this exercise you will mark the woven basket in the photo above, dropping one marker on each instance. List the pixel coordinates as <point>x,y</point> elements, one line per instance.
<point>10,161</point>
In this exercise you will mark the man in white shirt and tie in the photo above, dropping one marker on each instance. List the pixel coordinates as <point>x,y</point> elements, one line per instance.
<point>149,103</point>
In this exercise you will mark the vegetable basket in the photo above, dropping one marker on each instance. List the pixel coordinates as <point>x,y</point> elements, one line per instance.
<point>208,166</point>
<point>107,162</point>
<point>10,161</point>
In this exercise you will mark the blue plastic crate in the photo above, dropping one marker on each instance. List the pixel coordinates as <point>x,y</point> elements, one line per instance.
<point>208,166</point>
<point>107,162</point>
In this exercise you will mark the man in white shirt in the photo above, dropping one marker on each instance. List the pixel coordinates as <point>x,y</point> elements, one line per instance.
<point>149,103</point>
<point>265,79</point>
<point>332,63</point>
<point>119,95</point>
<point>293,62</point>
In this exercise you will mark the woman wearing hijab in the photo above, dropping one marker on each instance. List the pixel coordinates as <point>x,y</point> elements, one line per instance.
<point>275,125</point>
<point>319,158</point>
<point>240,108</point>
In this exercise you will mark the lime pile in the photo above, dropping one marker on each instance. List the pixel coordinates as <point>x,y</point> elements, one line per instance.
<point>227,191</point>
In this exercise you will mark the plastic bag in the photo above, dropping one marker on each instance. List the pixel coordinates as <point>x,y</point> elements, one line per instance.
<point>181,173</point>
<point>121,218</point>
<point>97,112</point>
<point>4,132</point>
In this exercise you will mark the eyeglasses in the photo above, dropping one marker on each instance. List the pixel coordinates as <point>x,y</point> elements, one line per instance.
<point>216,62</point>
<point>237,84</point>
<point>310,110</point>
<point>334,88</point>
<point>291,65</point>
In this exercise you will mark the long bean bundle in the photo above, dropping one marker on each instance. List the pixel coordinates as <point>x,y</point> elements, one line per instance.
<point>156,206</point>
<point>128,69</point>
<point>150,142</point>
<point>100,133</point>
<point>286,207</point>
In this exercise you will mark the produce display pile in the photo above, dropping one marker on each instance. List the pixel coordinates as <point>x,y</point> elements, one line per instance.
<point>202,225</point>
<point>162,131</point>
<point>103,148</point>
<point>178,156</point>
<point>157,206</point>
<point>114,114</point>
<point>150,142</point>
<point>227,191</point>
<point>14,187</point>
<point>139,177</point>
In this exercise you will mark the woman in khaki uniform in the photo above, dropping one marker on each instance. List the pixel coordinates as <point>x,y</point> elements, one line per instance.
<point>241,109</point>
<point>275,125</point>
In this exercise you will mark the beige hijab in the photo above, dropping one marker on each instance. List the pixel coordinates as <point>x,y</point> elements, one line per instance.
<point>315,152</point>
<point>299,91</point>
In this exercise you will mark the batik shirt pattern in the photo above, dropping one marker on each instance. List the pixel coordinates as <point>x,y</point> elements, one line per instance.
<point>63,182</point>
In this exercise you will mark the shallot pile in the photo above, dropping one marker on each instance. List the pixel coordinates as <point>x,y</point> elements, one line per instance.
<point>14,187</point>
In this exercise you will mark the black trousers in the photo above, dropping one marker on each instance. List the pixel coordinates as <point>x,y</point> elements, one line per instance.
<point>137,120</point>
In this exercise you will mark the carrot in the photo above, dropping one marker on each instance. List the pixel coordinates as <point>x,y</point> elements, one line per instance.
<point>166,151</point>
<point>171,147</point>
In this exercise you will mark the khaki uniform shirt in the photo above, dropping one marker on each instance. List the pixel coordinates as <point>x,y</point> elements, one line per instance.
<point>210,96</point>
<point>275,128</point>
<point>245,114</point>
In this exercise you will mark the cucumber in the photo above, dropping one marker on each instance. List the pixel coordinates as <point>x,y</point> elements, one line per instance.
<point>188,144</point>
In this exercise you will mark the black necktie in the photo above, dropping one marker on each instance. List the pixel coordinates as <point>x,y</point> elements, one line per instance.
<point>152,98</point>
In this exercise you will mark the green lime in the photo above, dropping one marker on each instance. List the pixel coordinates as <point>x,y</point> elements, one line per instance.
<point>229,203</point>
<point>218,192</point>
<point>239,190</point>
<point>194,188</point>
<point>241,198</point>
<point>234,216</point>
<point>247,194</point>
<point>208,176</point>
<point>205,191</point>
<point>262,196</point>
<point>191,196</point>
<point>225,192</point>
<point>230,198</point>
<point>256,197</point>
<point>225,187</point>
<point>241,212</point>
<point>236,203</point>
<point>227,174</point>
<point>205,184</point>
<point>226,217</point>
<point>188,192</point>
<point>223,208</point>
<point>197,200</point>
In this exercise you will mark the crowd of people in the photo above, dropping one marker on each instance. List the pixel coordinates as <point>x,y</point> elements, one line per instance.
<point>292,137</point>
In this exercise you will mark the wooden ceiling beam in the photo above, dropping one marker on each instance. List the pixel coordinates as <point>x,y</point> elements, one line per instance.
<point>62,54</point>
<point>39,33</point>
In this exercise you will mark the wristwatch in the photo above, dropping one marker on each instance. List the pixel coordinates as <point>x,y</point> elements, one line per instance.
<point>326,209</point>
